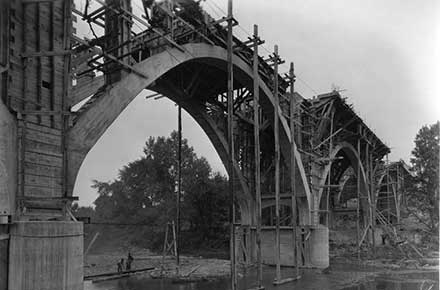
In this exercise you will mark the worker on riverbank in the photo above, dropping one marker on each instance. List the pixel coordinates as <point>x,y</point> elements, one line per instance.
<point>120,265</point>
<point>129,261</point>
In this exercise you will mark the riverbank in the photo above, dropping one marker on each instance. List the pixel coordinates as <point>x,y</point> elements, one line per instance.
<point>194,267</point>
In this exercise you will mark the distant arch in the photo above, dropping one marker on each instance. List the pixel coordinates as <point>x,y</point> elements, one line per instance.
<point>351,153</point>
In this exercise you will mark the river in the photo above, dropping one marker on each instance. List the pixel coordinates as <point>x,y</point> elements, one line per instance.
<point>351,279</point>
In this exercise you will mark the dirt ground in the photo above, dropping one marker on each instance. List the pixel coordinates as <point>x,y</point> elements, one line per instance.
<point>195,267</point>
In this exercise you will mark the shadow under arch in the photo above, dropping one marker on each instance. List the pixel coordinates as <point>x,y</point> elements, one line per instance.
<point>91,125</point>
<point>268,213</point>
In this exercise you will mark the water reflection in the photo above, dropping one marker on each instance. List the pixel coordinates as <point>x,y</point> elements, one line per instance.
<point>135,283</point>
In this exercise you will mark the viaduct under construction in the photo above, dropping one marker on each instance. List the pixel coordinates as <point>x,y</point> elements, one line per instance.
<point>293,162</point>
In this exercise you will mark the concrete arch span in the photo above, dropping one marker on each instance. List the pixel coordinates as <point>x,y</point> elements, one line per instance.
<point>91,124</point>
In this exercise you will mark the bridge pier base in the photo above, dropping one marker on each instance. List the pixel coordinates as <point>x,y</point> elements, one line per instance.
<point>319,247</point>
<point>46,255</point>
<point>315,246</point>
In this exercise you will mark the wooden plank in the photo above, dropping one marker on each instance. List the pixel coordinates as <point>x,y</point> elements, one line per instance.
<point>42,181</point>
<point>43,148</point>
<point>41,191</point>
<point>43,137</point>
<point>43,129</point>
<point>42,159</point>
<point>42,170</point>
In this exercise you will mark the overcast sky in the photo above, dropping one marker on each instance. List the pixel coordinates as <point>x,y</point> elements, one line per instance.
<point>384,54</point>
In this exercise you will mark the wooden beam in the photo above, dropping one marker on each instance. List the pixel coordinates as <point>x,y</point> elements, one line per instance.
<point>335,133</point>
<point>277,158</point>
<point>84,88</point>
<point>230,94</point>
<point>257,157</point>
<point>292,103</point>
<point>129,67</point>
<point>179,183</point>
<point>45,112</point>
<point>79,58</point>
<point>358,182</point>
<point>4,237</point>
<point>46,53</point>
<point>38,1</point>
<point>3,68</point>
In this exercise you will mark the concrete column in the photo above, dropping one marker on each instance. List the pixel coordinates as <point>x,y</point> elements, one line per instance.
<point>303,210</point>
<point>319,247</point>
<point>46,255</point>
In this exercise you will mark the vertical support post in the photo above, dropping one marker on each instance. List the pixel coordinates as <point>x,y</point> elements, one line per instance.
<point>165,246</point>
<point>171,18</point>
<point>293,167</point>
<point>399,192</point>
<point>388,180</point>
<point>330,148</point>
<point>179,182</point>
<point>39,62</point>
<point>277,166</point>
<point>358,183</point>
<point>173,229</point>
<point>257,157</point>
<point>373,200</point>
<point>67,16</point>
<point>231,146</point>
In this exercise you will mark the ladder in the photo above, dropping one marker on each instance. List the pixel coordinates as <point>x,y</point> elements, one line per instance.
<point>399,241</point>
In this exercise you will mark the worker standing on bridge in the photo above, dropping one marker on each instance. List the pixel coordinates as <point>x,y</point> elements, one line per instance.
<point>190,11</point>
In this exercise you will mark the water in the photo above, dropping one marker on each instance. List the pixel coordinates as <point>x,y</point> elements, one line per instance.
<point>133,283</point>
<point>311,279</point>
<point>401,281</point>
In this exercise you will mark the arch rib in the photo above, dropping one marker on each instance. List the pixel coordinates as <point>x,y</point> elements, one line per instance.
<point>91,125</point>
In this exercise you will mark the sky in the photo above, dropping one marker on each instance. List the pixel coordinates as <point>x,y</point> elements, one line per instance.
<point>384,55</point>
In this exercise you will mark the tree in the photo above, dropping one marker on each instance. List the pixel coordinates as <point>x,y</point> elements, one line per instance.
<point>423,196</point>
<point>145,192</point>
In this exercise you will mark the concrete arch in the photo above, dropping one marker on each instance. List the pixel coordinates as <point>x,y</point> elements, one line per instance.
<point>286,204</point>
<point>92,124</point>
<point>390,179</point>
<point>354,158</point>
<point>379,184</point>
<point>269,203</point>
